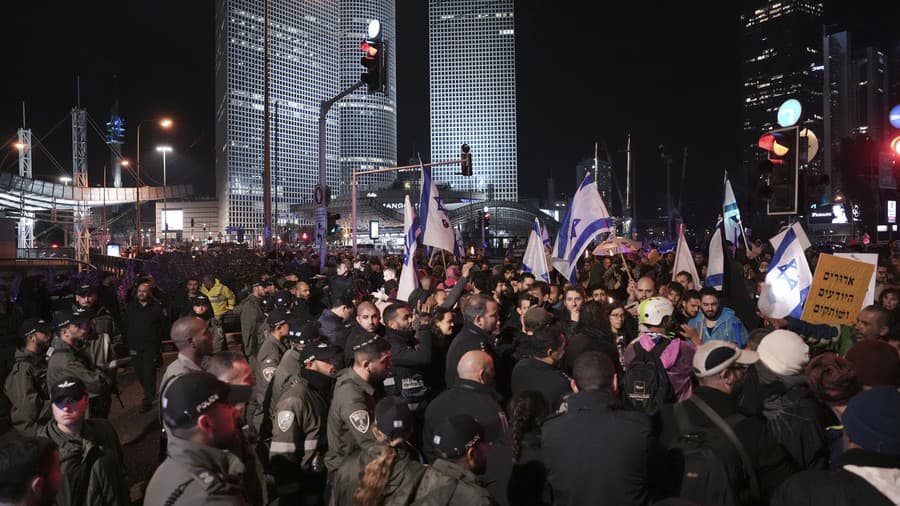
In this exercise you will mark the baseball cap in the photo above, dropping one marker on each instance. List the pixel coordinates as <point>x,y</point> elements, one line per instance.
<point>200,300</point>
<point>33,325</point>
<point>190,395</point>
<point>319,351</point>
<point>68,388</point>
<point>67,317</point>
<point>455,435</point>
<point>392,416</point>
<point>344,299</point>
<point>366,340</point>
<point>277,317</point>
<point>282,298</point>
<point>85,290</point>
<point>301,332</point>
<point>872,418</point>
<point>713,357</point>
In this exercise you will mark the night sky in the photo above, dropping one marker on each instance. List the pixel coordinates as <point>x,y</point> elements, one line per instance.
<point>669,73</point>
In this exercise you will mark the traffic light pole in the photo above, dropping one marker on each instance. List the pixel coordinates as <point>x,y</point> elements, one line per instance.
<point>322,189</point>
<point>356,173</point>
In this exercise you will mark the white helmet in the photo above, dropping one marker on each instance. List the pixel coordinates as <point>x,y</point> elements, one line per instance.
<point>652,311</point>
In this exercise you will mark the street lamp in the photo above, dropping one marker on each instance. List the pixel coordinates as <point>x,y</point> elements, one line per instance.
<point>164,123</point>
<point>164,150</point>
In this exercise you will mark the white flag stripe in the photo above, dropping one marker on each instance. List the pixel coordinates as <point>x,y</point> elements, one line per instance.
<point>715,269</point>
<point>408,279</point>
<point>787,281</point>
<point>535,260</point>
<point>435,226</point>
<point>585,218</point>
<point>684,261</point>
<point>731,214</point>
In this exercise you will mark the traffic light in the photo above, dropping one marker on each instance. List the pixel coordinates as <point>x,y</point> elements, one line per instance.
<point>895,146</point>
<point>466,158</point>
<point>487,220</point>
<point>374,59</point>
<point>333,226</point>
<point>781,170</point>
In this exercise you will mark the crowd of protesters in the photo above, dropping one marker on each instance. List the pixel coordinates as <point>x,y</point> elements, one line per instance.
<point>486,386</point>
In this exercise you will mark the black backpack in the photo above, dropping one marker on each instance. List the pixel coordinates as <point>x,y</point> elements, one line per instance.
<point>645,385</point>
<point>709,461</point>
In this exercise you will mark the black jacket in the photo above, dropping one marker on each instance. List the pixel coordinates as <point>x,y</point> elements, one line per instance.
<point>145,326</point>
<point>597,454</point>
<point>773,465</point>
<point>468,397</point>
<point>331,326</point>
<point>410,358</point>
<point>469,338</point>
<point>550,382</point>
<point>842,487</point>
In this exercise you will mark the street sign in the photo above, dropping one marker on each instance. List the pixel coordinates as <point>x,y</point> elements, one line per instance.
<point>894,116</point>
<point>321,220</point>
<point>789,112</point>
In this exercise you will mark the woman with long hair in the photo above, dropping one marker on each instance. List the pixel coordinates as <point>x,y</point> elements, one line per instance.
<point>388,472</point>
<point>527,410</point>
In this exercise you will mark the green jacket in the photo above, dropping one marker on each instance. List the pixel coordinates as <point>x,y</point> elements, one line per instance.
<point>93,468</point>
<point>252,316</point>
<point>286,375</point>
<point>26,388</point>
<point>220,343</point>
<point>66,362</point>
<point>195,475</point>
<point>401,485</point>
<point>350,418</point>
<point>446,483</point>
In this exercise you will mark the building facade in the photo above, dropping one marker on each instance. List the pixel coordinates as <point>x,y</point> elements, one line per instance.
<point>472,85</point>
<point>368,121</point>
<point>782,42</point>
<point>303,69</point>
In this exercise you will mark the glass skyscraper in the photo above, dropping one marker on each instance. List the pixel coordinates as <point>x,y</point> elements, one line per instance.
<point>472,85</point>
<point>368,121</point>
<point>303,69</point>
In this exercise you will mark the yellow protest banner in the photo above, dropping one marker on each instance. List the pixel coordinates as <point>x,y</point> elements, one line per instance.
<point>838,290</point>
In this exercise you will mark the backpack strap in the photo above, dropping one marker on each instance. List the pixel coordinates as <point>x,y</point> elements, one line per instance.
<point>729,433</point>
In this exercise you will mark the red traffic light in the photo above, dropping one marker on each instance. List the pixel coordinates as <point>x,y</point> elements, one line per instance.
<point>304,236</point>
<point>770,142</point>
<point>895,145</point>
<point>369,49</point>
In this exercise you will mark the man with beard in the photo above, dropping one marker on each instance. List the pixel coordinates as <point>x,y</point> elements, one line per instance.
<point>201,415</point>
<point>720,368</point>
<point>410,355</point>
<point>26,384</point>
<point>299,439</point>
<point>201,308</point>
<point>182,305</point>
<point>29,472</point>
<point>301,310</point>
<point>478,333</point>
<point>367,321</point>
<point>192,337</point>
<point>716,322</point>
<point>145,328</point>
<point>352,408</point>
<point>873,322</point>
<point>69,359</point>
<point>105,333</point>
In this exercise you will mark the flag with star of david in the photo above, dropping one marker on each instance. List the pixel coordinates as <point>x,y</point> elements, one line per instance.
<point>408,280</point>
<point>788,280</point>
<point>435,226</point>
<point>586,217</point>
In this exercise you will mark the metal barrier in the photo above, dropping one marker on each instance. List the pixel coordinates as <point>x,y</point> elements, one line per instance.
<point>42,253</point>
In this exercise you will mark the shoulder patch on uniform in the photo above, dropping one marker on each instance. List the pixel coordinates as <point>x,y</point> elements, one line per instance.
<point>285,419</point>
<point>207,480</point>
<point>268,372</point>
<point>359,419</point>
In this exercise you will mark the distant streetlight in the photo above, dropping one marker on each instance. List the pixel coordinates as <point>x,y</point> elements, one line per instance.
<point>164,150</point>
<point>164,123</point>
<point>65,180</point>
<point>20,145</point>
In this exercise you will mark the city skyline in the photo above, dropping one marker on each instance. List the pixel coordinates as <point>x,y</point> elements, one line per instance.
<point>579,78</point>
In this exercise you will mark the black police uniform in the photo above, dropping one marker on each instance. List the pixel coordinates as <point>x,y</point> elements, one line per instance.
<point>532,374</point>
<point>479,401</point>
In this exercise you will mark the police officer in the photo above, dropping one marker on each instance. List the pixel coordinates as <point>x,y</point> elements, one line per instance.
<point>538,372</point>
<point>462,455</point>
<point>26,384</point>
<point>298,427</point>
<point>146,322</point>
<point>202,308</point>
<point>69,359</point>
<point>291,365</point>
<point>410,355</point>
<point>270,353</point>
<point>251,314</point>
<point>200,414</point>
<point>61,297</point>
<point>481,314</point>
<point>352,408</point>
<point>90,454</point>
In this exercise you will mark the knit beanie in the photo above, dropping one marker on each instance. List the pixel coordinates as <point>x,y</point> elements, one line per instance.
<point>877,362</point>
<point>832,378</point>
<point>872,420</point>
<point>784,353</point>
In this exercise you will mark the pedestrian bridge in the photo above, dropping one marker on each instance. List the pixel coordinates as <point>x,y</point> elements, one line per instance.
<point>31,195</point>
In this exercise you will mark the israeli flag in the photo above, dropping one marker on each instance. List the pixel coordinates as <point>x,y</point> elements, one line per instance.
<point>587,216</point>
<point>733,227</point>
<point>459,250</point>
<point>788,280</point>
<point>545,236</point>
<point>715,268</point>
<point>535,259</point>
<point>684,262</point>
<point>435,226</point>
<point>408,279</point>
